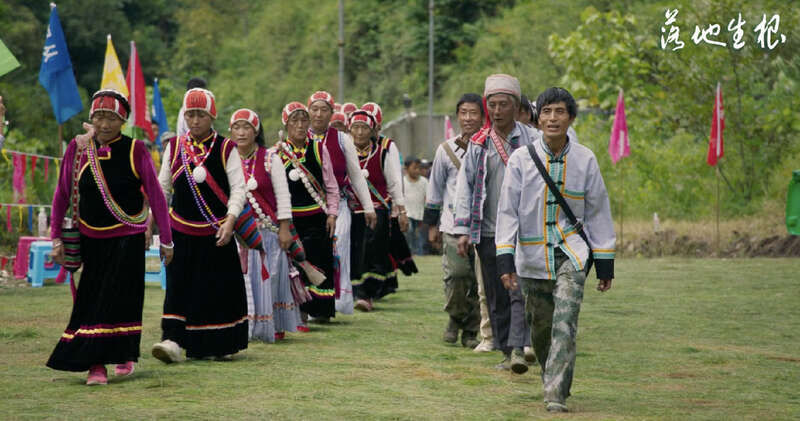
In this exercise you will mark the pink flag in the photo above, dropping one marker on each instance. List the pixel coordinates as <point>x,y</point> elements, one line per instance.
<point>449,132</point>
<point>139,112</point>
<point>618,145</point>
<point>715,142</point>
<point>18,182</point>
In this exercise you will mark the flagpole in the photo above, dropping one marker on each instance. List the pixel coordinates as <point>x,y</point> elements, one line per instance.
<point>717,210</point>
<point>61,139</point>
<point>622,208</point>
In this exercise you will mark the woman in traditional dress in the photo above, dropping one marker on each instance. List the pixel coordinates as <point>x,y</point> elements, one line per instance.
<point>274,311</point>
<point>205,308</point>
<point>311,183</point>
<point>399,250</point>
<point>104,192</point>
<point>372,267</point>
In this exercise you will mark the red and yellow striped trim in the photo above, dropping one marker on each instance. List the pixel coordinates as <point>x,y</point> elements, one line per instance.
<point>90,331</point>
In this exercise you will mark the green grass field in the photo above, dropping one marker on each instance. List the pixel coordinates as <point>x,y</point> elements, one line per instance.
<point>674,339</point>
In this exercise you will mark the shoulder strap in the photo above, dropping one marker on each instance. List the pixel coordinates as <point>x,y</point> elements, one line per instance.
<point>451,155</point>
<point>561,202</point>
<point>72,211</point>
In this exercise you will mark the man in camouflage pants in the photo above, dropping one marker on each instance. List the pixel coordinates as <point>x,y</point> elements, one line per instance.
<point>538,242</point>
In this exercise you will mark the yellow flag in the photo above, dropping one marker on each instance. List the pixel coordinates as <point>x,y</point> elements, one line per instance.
<point>112,71</point>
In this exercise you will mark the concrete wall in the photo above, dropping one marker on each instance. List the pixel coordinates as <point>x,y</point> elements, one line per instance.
<point>411,134</point>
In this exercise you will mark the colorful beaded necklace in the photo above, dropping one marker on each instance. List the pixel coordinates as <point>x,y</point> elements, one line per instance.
<point>201,203</point>
<point>136,221</point>
<point>262,210</point>
<point>300,172</point>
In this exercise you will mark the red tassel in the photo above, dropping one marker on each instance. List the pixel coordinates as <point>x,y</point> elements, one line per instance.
<point>8,218</point>
<point>264,272</point>
<point>3,262</point>
<point>488,122</point>
<point>62,276</point>
<point>33,166</point>
<point>72,287</point>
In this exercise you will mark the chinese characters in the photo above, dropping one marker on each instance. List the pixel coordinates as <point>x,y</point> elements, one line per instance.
<point>768,33</point>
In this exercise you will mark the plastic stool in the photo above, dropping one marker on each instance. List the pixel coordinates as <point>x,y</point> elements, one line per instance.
<point>40,265</point>
<point>161,275</point>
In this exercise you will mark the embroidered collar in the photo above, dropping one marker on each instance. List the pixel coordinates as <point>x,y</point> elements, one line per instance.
<point>299,152</point>
<point>318,136</point>
<point>200,144</point>
<point>563,152</point>
<point>104,150</point>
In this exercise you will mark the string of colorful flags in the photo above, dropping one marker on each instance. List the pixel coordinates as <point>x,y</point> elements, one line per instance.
<point>25,215</point>
<point>25,163</point>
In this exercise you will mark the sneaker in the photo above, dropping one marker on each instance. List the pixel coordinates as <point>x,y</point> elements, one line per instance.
<point>518,364</point>
<point>484,346</point>
<point>556,407</point>
<point>97,375</point>
<point>530,356</point>
<point>469,339</point>
<point>280,336</point>
<point>504,365</point>
<point>303,328</point>
<point>362,305</point>
<point>167,351</point>
<point>450,332</point>
<point>122,370</point>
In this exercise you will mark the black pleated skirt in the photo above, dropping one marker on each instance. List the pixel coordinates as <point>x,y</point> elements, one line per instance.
<point>371,272</point>
<point>205,308</point>
<point>106,322</point>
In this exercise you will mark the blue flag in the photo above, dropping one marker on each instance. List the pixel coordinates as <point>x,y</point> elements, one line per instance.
<point>55,73</point>
<point>159,116</point>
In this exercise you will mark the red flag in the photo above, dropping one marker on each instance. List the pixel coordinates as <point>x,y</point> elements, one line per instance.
<point>33,167</point>
<point>139,115</point>
<point>46,168</point>
<point>618,145</point>
<point>715,142</point>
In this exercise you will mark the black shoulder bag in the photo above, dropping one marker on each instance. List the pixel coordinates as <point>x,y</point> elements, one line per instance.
<point>563,203</point>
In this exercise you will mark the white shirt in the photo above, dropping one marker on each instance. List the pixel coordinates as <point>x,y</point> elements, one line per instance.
<point>394,177</point>
<point>442,183</point>
<point>280,186</point>
<point>415,196</point>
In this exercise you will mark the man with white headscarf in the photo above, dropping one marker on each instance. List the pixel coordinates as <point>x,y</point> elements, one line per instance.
<point>476,203</point>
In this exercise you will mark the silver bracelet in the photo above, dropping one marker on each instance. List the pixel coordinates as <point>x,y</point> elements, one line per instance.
<point>169,246</point>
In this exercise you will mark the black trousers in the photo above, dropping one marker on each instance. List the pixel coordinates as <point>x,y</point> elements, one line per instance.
<point>506,308</point>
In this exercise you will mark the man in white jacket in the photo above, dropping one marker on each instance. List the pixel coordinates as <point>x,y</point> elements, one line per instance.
<point>537,241</point>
